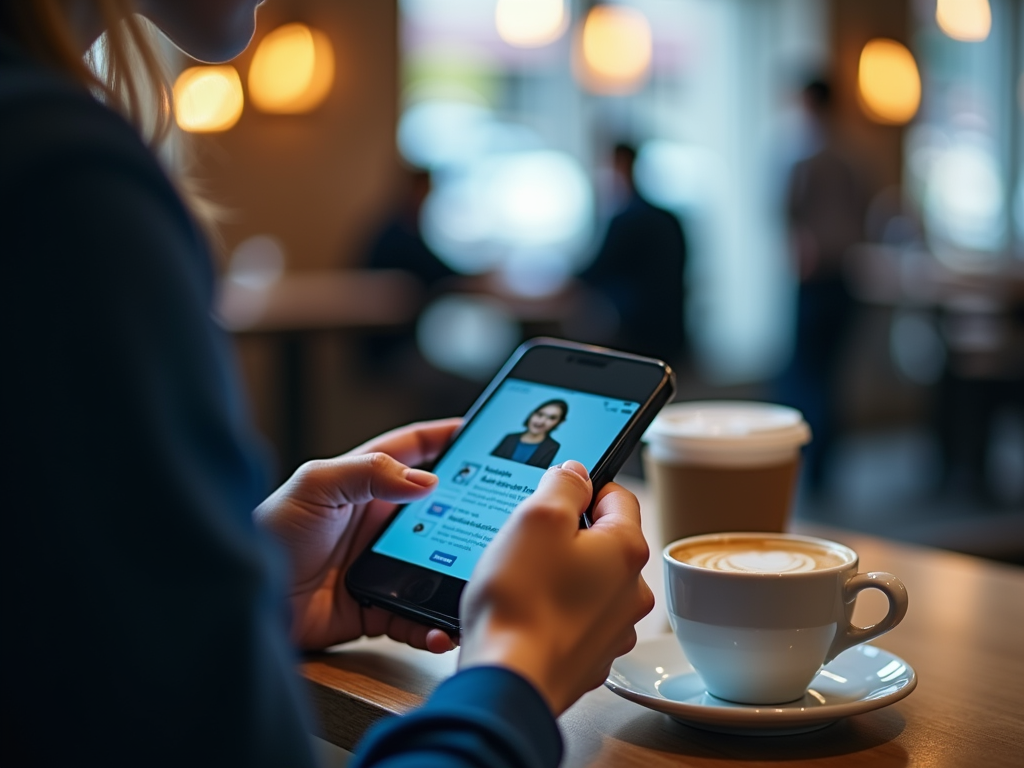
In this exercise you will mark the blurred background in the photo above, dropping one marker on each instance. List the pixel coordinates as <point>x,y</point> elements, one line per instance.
<point>816,202</point>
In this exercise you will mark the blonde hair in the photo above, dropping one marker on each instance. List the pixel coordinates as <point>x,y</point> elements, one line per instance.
<point>128,74</point>
<point>124,69</point>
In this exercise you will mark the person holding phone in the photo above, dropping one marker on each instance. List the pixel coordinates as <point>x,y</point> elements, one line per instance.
<point>616,396</point>
<point>140,583</point>
<point>535,446</point>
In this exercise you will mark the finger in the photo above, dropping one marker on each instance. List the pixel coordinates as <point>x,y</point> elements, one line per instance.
<point>438,641</point>
<point>379,621</point>
<point>600,678</point>
<point>616,531</point>
<point>627,644</point>
<point>419,636</point>
<point>404,631</point>
<point>413,444</point>
<point>645,601</point>
<point>359,479</point>
<point>563,493</point>
<point>617,505</point>
<point>375,621</point>
<point>375,515</point>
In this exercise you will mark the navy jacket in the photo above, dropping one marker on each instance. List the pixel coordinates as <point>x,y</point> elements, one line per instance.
<point>144,617</point>
<point>542,457</point>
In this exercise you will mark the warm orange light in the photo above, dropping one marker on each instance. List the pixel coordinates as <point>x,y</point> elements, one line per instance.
<point>208,99</point>
<point>616,49</point>
<point>292,70</point>
<point>530,23</point>
<point>888,82</point>
<point>967,20</point>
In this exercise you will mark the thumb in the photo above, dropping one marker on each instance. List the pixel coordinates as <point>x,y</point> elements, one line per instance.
<point>563,493</point>
<point>359,479</point>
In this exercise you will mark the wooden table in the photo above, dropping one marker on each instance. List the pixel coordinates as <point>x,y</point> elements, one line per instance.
<point>964,635</point>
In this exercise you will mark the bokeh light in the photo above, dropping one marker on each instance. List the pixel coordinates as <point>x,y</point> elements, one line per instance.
<point>535,272</point>
<point>679,176</point>
<point>257,262</point>
<point>530,23</point>
<point>966,20</point>
<point>888,82</point>
<point>436,133</point>
<point>470,336</point>
<point>292,70</point>
<point>483,212</point>
<point>616,49</point>
<point>208,99</point>
<point>255,265</point>
<point>964,204</point>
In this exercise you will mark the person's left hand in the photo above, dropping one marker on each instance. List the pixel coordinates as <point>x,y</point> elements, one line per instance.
<point>327,513</point>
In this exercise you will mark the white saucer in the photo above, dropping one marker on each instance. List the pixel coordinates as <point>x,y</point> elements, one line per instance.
<point>657,675</point>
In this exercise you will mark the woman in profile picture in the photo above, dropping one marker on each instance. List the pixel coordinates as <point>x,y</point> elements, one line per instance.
<point>535,446</point>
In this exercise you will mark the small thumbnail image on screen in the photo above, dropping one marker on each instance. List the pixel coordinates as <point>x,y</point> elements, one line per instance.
<point>422,527</point>
<point>467,471</point>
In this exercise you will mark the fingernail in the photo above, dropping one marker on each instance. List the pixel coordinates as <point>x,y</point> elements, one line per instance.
<point>421,477</point>
<point>575,466</point>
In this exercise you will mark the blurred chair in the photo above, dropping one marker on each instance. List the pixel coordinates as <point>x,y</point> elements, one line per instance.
<point>983,380</point>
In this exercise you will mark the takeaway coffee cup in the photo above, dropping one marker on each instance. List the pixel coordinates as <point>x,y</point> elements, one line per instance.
<point>723,466</point>
<point>759,614</point>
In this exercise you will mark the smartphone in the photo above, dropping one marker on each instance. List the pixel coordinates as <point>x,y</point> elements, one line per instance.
<point>552,401</point>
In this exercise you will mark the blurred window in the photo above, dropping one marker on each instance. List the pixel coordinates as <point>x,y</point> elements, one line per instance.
<point>496,105</point>
<point>965,151</point>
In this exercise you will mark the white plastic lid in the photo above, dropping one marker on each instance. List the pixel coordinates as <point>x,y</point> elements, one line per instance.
<point>726,433</point>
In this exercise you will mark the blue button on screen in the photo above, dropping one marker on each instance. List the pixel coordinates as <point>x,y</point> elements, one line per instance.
<point>442,558</point>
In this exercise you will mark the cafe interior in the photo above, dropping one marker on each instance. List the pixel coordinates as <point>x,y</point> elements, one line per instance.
<point>403,191</point>
<point>407,190</point>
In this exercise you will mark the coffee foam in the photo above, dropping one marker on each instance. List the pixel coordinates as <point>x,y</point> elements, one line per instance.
<point>759,556</point>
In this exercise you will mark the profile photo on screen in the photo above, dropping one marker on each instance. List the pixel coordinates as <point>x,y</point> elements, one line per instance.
<point>534,445</point>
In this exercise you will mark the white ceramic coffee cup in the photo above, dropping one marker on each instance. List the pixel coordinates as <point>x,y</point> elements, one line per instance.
<point>759,633</point>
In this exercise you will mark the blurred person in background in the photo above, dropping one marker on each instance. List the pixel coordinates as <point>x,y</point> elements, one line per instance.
<point>146,580</point>
<point>825,211</point>
<point>393,357</point>
<point>399,244</point>
<point>640,268</point>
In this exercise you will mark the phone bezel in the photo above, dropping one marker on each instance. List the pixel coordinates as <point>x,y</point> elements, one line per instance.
<point>432,597</point>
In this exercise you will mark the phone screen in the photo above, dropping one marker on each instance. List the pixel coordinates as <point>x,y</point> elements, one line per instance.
<point>496,462</point>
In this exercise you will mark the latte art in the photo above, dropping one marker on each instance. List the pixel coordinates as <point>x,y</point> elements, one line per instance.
<point>754,554</point>
<point>755,561</point>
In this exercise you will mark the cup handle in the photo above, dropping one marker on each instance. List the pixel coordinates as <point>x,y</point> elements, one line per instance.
<point>892,588</point>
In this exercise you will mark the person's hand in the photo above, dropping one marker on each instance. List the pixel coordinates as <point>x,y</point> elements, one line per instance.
<point>329,511</point>
<point>553,602</point>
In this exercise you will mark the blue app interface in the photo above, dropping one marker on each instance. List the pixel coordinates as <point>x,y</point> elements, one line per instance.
<point>496,463</point>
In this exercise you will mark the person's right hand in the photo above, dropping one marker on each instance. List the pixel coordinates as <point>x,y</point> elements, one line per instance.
<point>555,603</point>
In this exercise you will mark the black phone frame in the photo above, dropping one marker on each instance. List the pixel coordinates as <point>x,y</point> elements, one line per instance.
<point>431,597</point>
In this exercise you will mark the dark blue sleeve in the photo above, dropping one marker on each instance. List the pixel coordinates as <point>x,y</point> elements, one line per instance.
<point>484,717</point>
<point>143,615</point>
<point>144,620</point>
